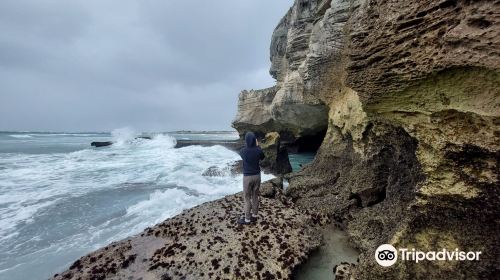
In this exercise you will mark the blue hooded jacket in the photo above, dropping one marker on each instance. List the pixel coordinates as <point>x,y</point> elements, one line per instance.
<point>251,155</point>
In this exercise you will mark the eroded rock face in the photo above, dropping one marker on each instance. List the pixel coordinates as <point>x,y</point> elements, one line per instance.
<point>276,156</point>
<point>254,111</point>
<point>295,107</point>
<point>411,152</point>
<point>205,242</point>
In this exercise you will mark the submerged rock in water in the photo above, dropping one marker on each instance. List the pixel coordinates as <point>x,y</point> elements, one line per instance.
<point>231,169</point>
<point>101,144</point>
<point>215,171</point>
<point>236,167</point>
<point>109,143</point>
<point>205,242</point>
<point>344,271</point>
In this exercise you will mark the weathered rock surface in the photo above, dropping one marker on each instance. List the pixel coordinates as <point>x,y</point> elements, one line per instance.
<point>289,108</point>
<point>344,271</point>
<point>269,110</point>
<point>205,242</point>
<point>276,156</point>
<point>272,188</point>
<point>410,156</point>
<point>254,111</point>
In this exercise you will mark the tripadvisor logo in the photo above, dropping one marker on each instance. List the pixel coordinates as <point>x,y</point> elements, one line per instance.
<point>387,255</point>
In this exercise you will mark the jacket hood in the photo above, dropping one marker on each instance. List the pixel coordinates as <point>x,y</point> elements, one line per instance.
<point>250,139</point>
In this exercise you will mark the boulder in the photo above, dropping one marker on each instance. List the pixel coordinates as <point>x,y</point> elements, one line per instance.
<point>255,118</point>
<point>276,160</point>
<point>236,167</point>
<point>233,168</point>
<point>271,187</point>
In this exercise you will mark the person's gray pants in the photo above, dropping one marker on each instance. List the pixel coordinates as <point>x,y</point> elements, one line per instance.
<point>251,185</point>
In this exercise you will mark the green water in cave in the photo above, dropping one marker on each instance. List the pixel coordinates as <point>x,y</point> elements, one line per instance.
<point>334,249</point>
<point>299,159</point>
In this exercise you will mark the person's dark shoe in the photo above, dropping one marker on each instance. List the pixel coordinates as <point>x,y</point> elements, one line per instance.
<point>253,219</point>
<point>242,221</point>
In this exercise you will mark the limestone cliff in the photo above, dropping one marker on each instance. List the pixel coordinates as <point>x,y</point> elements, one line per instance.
<point>409,94</point>
<point>289,107</point>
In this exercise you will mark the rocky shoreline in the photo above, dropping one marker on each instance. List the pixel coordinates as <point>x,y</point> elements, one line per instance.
<point>405,101</point>
<point>205,242</point>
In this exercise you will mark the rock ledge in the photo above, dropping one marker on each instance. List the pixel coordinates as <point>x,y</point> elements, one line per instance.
<point>205,242</point>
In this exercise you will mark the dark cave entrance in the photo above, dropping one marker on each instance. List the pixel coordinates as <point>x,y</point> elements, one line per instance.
<point>303,150</point>
<point>304,144</point>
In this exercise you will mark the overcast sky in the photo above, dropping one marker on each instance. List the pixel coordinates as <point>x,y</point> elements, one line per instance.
<point>96,65</point>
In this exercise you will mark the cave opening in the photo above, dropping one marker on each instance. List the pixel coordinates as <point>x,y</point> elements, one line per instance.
<point>303,150</point>
<point>305,144</point>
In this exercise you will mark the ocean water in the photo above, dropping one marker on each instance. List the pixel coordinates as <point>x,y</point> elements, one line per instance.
<point>298,160</point>
<point>334,250</point>
<point>61,198</point>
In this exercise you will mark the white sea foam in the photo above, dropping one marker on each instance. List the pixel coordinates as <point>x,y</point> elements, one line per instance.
<point>123,135</point>
<point>56,207</point>
<point>66,134</point>
<point>20,136</point>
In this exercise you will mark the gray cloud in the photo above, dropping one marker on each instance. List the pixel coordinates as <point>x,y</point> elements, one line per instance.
<point>93,65</point>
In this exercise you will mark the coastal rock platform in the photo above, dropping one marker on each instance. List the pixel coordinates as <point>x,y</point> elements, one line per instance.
<point>205,242</point>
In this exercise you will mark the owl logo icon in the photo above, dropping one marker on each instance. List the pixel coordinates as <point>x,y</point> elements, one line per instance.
<point>386,255</point>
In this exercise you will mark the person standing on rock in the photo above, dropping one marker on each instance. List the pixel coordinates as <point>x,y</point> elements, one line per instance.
<point>251,156</point>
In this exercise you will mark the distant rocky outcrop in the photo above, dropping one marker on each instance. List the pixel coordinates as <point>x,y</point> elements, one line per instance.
<point>410,95</point>
<point>230,144</point>
<point>101,143</point>
<point>98,144</point>
<point>215,171</point>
